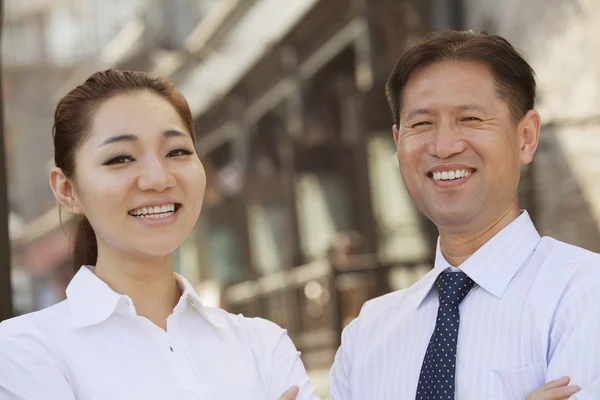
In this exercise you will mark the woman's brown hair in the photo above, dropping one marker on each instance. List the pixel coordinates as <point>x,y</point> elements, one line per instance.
<point>73,120</point>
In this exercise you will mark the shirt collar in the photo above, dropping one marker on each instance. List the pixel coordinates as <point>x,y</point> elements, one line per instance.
<point>494,264</point>
<point>189,296</point>
<point>92,301</point>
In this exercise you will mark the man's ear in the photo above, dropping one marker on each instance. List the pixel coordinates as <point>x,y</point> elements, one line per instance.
<point>529,135</point>
<point>395,130</point>
<point>64,191</point>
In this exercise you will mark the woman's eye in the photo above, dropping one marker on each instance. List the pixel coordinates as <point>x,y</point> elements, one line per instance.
<point>119,160</point>
<point>179,153</point>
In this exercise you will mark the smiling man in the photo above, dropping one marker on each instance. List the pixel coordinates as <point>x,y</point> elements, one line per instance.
<point>504,310</point>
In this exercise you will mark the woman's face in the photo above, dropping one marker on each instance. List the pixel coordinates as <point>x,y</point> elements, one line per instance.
<point>138,179</point>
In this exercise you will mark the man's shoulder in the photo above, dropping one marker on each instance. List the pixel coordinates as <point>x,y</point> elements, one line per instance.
<point>574,269</point>
<point>569,262</point>
<point>383,306</point>
<point>383,303</point>
<point>565,253</point>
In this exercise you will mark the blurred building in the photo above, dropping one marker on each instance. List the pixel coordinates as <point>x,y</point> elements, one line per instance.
<point>560,39</point>
<point>32,72</point>
<point>305,216</point>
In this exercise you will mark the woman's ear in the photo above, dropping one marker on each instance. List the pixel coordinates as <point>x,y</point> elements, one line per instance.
<point>64,191</point>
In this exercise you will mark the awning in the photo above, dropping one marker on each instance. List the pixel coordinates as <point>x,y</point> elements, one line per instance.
<point>266,22</point>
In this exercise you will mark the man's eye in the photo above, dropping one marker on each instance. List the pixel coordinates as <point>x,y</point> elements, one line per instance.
<point>122,159</point>
<point>423,123</point>
<point>470,119</point>
<point>179,153</point>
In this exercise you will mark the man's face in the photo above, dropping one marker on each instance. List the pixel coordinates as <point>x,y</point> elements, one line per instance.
<point>459,150</point>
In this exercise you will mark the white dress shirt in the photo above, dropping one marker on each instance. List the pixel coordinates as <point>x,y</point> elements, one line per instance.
<point>532,316</point>
<point>93,346</point>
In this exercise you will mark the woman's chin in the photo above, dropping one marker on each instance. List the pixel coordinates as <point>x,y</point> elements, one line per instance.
<point>159,250</point>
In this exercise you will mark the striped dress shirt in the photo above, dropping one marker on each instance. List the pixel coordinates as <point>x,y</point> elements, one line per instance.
<point>532,316</point>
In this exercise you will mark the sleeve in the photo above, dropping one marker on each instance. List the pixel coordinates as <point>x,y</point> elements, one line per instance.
<point>279,360</point>
<point>27,372</point>
<point>340,376</point>
<point>575,343</point>
<point>288,369</point>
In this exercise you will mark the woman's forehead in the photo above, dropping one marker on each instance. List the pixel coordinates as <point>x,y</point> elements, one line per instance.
<point>143,114</point>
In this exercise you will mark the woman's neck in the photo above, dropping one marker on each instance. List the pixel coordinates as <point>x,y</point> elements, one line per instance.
<point>149,282</point>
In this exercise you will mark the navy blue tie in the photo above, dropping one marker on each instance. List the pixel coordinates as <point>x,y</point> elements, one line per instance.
<point>437,379</point>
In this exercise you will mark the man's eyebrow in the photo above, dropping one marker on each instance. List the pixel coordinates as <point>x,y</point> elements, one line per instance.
<point>417,111</point>
<point>471,107</point>
<point>462,107</point>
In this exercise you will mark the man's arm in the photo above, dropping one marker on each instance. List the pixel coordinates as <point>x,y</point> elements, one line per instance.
<point>340,382</point>
<point>574,340</point>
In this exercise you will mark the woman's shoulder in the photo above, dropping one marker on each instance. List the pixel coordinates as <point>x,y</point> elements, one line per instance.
<point>28,348</point>
<point>254,329</point>
<point>267,341</point>
<point>36,326</point>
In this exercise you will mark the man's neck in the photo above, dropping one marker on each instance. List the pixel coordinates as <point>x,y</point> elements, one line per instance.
<point>457,246</point>
<point>150,283</point>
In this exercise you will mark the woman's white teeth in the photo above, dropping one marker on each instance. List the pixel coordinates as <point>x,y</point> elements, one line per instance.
<point>157,216</point>
<point>449,175</point>
<point>154,212</point>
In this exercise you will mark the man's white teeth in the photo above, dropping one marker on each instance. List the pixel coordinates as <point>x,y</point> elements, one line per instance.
<point>154,212</point>
<point>449,175</point>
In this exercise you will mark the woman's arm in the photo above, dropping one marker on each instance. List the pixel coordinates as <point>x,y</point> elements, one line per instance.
<point>280,362</point>
<point>27,371</point>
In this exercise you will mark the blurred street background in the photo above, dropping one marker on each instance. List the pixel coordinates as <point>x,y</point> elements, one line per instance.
<point>306,216</point>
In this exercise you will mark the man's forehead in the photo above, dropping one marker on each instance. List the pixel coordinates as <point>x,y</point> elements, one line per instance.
<point>431,78</point>
<point>457,86</point>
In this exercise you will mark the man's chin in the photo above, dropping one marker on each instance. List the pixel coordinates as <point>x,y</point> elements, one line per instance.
<point>452,218</point>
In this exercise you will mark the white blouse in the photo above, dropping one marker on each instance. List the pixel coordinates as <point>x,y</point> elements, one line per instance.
<point>93,346</point>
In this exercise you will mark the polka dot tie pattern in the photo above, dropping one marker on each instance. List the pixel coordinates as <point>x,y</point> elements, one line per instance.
<point>437,379</point>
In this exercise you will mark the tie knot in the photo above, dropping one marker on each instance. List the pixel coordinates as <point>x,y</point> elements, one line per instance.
<point>453,287</point>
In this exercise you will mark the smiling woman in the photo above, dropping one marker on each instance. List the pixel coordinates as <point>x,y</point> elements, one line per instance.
<point>102,126</point>
<point>126,163</point>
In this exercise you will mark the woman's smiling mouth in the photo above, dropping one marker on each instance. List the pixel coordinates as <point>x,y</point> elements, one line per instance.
<point>156,212</point>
